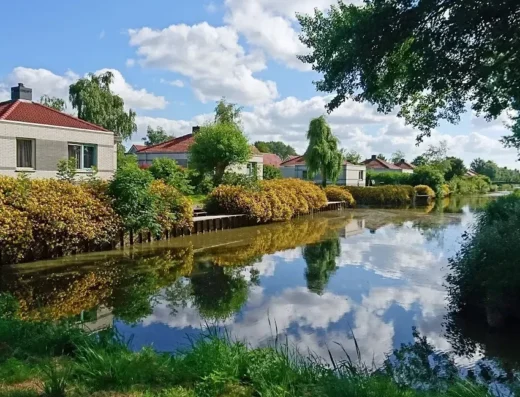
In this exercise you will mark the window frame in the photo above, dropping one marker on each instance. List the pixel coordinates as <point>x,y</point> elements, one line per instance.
<point>82,154</point>
<point>361,175</point>
<point>33,154</point>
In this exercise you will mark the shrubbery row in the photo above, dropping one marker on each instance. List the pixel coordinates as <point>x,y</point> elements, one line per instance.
<point>275,200</point>
<point>386,195</point>
<point>336,193</point>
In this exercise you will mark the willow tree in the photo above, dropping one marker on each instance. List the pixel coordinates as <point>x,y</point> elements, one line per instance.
<point>323,155</point>
<point>95,103</point>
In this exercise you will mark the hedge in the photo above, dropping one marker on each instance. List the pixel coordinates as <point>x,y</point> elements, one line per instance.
<point>275,200</point>
<point>336,193</point>
<point>395,195</point>
<point>50,218</point>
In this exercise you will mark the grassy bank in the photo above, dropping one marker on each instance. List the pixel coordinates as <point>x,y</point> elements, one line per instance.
<point>57,360</point>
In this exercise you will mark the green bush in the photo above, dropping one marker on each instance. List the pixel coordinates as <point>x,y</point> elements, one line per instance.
<point>389,178</point>
<point>423,190</point>
<point>469,185</point>
<point>485,273</point>
<point>202,182</point>
<point>506,188</point>
<point>275,200</point>
<point>173,174</point>
<point>272,172</point>
<point>493,188</point>
<point>336,193</point>
<point>428,176</point>
<point>236,179</point>
<point>395,195</point>
<point>445,188</point>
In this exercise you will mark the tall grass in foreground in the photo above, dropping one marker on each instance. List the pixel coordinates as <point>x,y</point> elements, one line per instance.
<point>76,364</point>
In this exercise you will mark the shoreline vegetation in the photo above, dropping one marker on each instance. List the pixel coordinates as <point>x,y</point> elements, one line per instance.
<point>59,360</point>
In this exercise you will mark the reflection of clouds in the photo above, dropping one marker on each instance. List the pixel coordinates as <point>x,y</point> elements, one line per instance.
<point>289,255</point>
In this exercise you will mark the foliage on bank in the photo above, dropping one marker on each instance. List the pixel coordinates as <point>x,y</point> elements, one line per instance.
<point>386,195</point>
<point>50,218</point>
<point>274,200</point>
<point>485,273</point>
<point>423,190</point>
<point>336,193</point>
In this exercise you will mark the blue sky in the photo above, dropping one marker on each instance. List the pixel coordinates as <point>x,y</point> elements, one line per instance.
<point>174,59</point>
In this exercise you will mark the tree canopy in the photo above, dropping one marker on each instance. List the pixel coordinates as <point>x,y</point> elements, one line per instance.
<point>53,102</point>
<point>381,156</point>
<point>426,58</point>
<point>457,168</point>
<point>95,103</point>
<point>352,157</point>
<point>321,261</point>
<point>398,156</point>
<point>323,155</point>
<point>226,112</point>
<point>155,136</point>
<point>216,147</point>
<point>281,149</point>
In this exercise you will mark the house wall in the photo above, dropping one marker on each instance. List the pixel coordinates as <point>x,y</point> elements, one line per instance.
<point>51,146</point>
<point>407,171</point>
<point>400,170</point>
<point>349,175</point>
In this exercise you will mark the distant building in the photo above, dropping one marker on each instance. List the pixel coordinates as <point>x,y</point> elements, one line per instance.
<point>350,175</point>
<point>135,148</point>
<point>377,165</point>
<point>178,149</point>
<point>272,159</point>
<point>405,166</point>
<point>34,138</point>
<point>471,173</point>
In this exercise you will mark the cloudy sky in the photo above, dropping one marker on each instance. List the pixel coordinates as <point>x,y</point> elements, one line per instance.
<point>172,59</point>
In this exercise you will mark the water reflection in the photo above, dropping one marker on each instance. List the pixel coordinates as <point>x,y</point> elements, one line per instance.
<point>318,281</point>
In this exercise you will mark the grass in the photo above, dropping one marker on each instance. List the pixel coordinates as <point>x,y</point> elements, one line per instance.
<point>66,362</point>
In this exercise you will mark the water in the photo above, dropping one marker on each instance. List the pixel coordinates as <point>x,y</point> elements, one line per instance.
<point>315,283</point>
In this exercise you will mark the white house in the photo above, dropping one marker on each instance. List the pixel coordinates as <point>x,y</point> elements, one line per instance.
<point>178,150</point>
<point>350,175</point>
<point>34,138</point>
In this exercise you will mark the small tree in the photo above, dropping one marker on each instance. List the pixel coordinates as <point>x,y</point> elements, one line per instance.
<point>67,170</point>
<point>155,136</point>
<point>53,102</point>
<point>227,113</point>
<point>216,147</point>
<point>353,157</point>
<point>398,156</point>
<point>457,168</point>
<point>133,200</point>
<point>322,155</point>
<point>272,172</point>
<point>171,173</point>
<point>381,156</point>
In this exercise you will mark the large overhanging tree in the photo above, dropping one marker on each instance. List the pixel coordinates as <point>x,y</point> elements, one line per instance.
<point>426,58</point>
<point>323,155</point>
<point>95,103</point>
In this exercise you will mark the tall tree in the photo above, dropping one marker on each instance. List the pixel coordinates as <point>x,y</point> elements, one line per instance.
<point>216,147</point>
<point>95,103</point>
<point>155,136</point>
<point>419,160</point>
<point>353,157</point>
<point>381,156</point>
<point>226,112</point>
<point>427,58</point>
<point>53,102</point>
<point>398,156</point>
<point>323,155</point>
<point>478,165</point>
<point>281,149</point>
<point>457,168</point>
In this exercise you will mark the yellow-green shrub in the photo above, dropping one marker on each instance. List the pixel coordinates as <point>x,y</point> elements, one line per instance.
<point>173,209</point>
<point>445,188</point>
<point>423,190</point>
<point>394,195</point>
<point>275,200</point>
<point>336,193</point>
<point>50,218</point>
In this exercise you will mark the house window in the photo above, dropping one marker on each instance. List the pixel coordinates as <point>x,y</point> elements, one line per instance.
<point>304,174</point>
<point>25,153</point>
<point>252,169</point>
<point>85,156</point>
<point>361,175</point>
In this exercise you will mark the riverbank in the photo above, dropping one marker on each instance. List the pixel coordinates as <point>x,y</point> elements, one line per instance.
<point>44,359</point>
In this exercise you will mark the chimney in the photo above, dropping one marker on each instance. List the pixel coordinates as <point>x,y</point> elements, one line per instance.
<point>21,92</point>
<point>402,161</point>
<point>374,157</point>
<point>195,129</point>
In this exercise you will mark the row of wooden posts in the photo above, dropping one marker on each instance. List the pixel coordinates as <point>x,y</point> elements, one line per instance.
<point>207,224</point>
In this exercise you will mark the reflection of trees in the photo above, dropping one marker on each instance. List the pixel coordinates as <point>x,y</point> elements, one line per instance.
<point>321,263</point>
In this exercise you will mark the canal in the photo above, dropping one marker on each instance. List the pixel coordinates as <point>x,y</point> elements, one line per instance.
<point>316,283</point>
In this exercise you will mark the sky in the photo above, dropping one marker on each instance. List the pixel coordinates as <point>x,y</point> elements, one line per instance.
<point>173,59</point>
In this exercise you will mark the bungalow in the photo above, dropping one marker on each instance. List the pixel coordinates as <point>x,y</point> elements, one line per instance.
<point>375,164</point>
<point>34,138</point>
<point>135,148</point>
<point>272,159</point>
<point>350,175</point>
<point>178,149</point>
<point>407,167</point>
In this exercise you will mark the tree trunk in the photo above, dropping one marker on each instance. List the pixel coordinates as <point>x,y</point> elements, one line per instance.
<point>219,173</point>
<point>324,178</point>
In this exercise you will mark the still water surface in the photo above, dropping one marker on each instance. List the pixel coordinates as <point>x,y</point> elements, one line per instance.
<point>313,282</point>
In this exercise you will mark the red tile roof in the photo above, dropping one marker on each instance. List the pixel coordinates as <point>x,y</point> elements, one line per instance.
<point>175,145</point>
<point>405,165</point>
<point>375,163</point>
<point>36,113</point>
<point>272,159</point>
<point>139,147</point>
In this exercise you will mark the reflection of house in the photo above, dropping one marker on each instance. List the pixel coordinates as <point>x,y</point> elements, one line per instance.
<point>354,227</point>
<point>97,320</point>
<point>178,149</point>
<point>377,165</point>
<point>34,138</point>
<point>350,175</point>
<point>407,167</point>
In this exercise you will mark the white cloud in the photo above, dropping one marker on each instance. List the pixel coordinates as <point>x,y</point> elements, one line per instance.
<point>173,83</point>
<point>130,62</point>
<point>211,57</point>
<point>102,35</point>
<point>211,7</point>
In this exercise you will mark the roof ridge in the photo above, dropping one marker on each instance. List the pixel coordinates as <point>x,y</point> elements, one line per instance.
<point>71,116</point>
<point>169,140</point>
<point>10,109</point>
